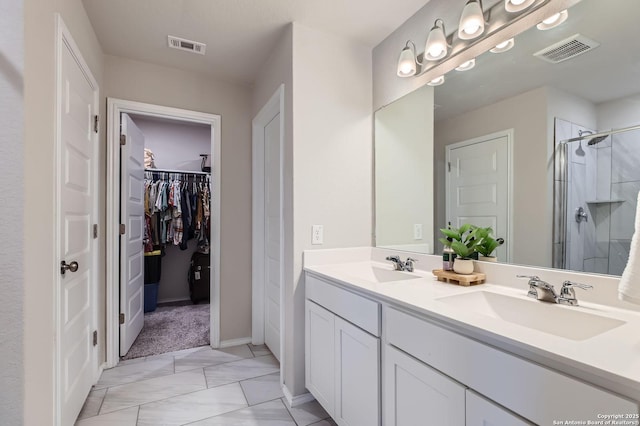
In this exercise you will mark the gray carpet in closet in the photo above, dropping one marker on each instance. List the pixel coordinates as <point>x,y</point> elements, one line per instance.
<point>171,328</point>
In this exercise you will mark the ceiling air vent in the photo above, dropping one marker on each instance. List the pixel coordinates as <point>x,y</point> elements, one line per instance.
<point>188,45</point>
<point>567,49</point>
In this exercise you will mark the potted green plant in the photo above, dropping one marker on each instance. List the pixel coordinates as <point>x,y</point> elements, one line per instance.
<point>463,242</point>
<point>487,244</point>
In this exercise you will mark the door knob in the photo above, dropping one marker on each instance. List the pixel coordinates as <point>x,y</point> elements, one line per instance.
<point>64,267</point>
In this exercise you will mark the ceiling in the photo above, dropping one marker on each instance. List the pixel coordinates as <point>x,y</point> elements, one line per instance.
<point>606,73</point>
<point>239,34</point>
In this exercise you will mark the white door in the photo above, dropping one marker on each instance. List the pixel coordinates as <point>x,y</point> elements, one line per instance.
<point>319,354</point>
<point>131,249</point>
<point>273,212</point>
<point>478,183</point>
<point>482,412</point>
<point>357,376</point>
<point>416,394</point>
<point>76,355</point>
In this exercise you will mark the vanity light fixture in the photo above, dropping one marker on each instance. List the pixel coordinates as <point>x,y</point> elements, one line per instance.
<point>504,46</point>
<point>471,21</point>
<point>407,63</point>
<point>436,46</point>
<point>466,66</point>
<point>515,6</point>
<point>436,81</point>
<point>553,21</point>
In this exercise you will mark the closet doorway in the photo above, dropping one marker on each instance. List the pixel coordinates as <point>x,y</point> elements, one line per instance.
<point>153,239</point>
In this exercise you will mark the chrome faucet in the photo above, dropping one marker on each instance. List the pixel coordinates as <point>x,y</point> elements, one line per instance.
<point>542,290</point>
<point>568,294</point>
<point>399,265</point>
<point>409,264</point>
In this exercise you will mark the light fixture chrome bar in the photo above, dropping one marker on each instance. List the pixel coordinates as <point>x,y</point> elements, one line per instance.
<point>596,135</point>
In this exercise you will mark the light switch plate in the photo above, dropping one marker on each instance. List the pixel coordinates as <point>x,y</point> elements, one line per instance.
<point>417,231</point>
<point>317,236</point>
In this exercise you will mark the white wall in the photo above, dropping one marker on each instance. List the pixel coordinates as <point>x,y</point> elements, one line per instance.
<point>620,113</point>
<point>332,156</point>
<point>143,82</point>
<point>276,71</point>
<point>327,175</point>
<point>175,145</point>
<point>11,249</point>
<point>39,179</point>
<point>404,170</point>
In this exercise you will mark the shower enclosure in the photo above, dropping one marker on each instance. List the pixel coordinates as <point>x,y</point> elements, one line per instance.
<point>597,179</point>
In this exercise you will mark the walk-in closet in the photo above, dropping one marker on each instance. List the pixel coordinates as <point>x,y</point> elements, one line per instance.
<point>176,237</point>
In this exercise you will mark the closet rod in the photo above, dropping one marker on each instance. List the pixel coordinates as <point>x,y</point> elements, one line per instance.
<point>184,172</point>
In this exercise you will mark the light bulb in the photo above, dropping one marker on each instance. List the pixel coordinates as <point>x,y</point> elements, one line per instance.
<point>436,45</point>
<point>503,47</point>
<point>517,2</point>
<point>407,62</point>
<point>514,6</point>
<point>553,20</point>
<point>471,21</point>
<point>467,65</point>
<point>436,81</point>
<point>550,20</point>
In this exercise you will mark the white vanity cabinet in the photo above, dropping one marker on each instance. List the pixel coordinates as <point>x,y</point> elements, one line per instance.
<point>529,390</point>
<point>342,353</point>
<point>416,394</point>
<point>482,412</point>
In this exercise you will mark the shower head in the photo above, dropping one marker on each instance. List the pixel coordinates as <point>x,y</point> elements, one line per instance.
<point>592,141</point>
<point>597,140</point>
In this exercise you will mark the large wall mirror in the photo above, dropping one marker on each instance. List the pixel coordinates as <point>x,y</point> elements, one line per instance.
<point>496,128</point>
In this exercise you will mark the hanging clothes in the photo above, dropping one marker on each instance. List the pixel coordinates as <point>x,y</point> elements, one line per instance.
<point>176,209</point>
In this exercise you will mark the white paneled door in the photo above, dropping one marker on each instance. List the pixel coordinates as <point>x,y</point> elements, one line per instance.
<point>76,355</point>
<point>273,213</point>
<point>478,185</point>
<point>131,249</point>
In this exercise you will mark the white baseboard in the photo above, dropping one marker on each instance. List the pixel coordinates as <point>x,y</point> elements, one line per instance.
<point>235,342</point>
<point>294,401</point>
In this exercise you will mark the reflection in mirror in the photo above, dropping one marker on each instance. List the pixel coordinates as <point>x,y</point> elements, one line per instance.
<point>599,180</point>
<point>519,93</point>
<point>404,173</point>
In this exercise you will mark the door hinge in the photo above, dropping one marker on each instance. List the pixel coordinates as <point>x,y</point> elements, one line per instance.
<point>121,318</point>
<point>123,229</point>
<point>95,230</point>
<point>123,140</point>
<point>96,122</point>
<point>95,337</point>
<point>449,165</point>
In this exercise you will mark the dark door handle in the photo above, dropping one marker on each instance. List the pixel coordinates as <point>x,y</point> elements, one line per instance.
<point>64,267</point>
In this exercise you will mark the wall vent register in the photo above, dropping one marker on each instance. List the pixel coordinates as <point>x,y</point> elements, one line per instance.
<point>187,45</point>
<point>566,49</point>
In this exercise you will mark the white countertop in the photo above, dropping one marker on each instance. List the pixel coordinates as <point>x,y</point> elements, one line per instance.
<point>610,360</point>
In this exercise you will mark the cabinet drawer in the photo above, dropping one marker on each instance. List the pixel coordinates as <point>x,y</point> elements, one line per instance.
<point>356,309</point>
<point>534,392</point>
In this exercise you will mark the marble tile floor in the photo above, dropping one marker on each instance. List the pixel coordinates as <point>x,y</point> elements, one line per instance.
<point>237,386</point>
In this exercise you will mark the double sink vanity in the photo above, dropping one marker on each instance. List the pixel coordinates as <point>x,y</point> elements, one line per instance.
<point>388,347</point>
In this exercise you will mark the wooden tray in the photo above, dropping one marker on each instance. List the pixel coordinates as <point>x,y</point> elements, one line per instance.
<point>459,279</point>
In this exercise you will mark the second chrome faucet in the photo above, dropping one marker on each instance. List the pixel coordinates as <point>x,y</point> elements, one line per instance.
<point>399,265</point>
<point>542,290</point>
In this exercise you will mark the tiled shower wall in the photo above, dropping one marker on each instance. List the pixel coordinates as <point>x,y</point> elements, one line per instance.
<point>603,180</point>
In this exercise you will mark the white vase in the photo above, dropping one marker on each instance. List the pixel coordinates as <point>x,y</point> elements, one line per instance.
<point>463,266</point>
<point>488,258</point>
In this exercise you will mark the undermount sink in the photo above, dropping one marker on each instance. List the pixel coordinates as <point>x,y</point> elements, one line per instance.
<point>568,322</point>
<point>377,274</point>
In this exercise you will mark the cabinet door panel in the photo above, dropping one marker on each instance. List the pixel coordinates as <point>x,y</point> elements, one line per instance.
<point>416,394</point>
<point>357,376</point>
<point>482,412</point>
<point>319,354</point>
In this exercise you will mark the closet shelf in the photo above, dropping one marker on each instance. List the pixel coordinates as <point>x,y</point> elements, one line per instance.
<point>604,201</point>
<point>185,172</point>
